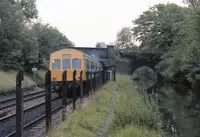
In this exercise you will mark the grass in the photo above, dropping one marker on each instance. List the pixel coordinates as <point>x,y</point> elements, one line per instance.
<point>134,115</point>
<point>8,80</point>
<point>90,118</point>
<point>134,131</point>
<point>40,77</point>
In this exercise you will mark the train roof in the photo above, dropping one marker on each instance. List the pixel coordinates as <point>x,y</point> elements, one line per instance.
<point>85,54</point>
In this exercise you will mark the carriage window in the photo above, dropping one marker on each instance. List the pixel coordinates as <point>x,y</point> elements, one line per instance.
<point>56,64</point>
<point>92,65</point>
<point>76,63</point>
<point>66,64</point>
<point>88,64</point>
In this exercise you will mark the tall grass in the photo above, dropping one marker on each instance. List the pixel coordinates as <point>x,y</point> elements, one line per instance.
<point>134,114</point>
<point>40,77</point>
<point>8,81</point>
<point>90,118</point>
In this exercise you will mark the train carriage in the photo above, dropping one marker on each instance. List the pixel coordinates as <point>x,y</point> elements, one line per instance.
<point>70,60</point>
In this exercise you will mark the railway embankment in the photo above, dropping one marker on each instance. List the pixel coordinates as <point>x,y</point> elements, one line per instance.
<point>123,112</point>
<point>134,115</point>
<point>8,80</point>
<point>89,119</point>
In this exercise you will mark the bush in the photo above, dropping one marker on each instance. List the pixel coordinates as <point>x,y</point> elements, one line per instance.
<point>133,131</point>
<point>132,108</point>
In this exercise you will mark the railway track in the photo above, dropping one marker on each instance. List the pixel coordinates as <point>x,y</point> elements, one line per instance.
<point>11,101</point>
<point>31,115</point>
<point>33,122</point>
<point>39,129</point>
<point>34,113</point>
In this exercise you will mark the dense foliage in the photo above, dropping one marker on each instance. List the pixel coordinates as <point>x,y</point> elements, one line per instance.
<point>173,32</point>
<point>134,114</point>
<point>24,43</point>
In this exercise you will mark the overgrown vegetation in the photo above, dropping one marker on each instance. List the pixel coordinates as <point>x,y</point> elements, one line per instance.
<point>24,42</point>
<point>172,32</point>
<point>90,118</point>
<point>8,80</point>
<point>134,114</point>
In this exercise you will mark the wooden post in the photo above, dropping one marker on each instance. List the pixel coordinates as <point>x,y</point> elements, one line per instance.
<point>103,76</point>
<point>107,75</point>
<point>88,83</point>
<point>48,102</point>
<point>74,90</point>
<point>94,82</point>
<point>64,94</point>
<point>97,79</point>
<point>81,86</point>
<point>19,105</point>
<point>91,84</point>
<point>114,75</point>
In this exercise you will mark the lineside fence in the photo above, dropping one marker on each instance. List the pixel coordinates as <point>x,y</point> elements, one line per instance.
<point>80,89</point>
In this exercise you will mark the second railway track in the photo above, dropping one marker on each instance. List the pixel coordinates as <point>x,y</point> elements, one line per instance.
<point>12,101</point>
<point>32,114</point>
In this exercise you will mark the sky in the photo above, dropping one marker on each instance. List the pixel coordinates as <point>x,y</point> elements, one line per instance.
<point>86,22</point>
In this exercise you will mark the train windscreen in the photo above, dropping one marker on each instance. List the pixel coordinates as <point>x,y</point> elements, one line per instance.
<point>66,64</point>
<point>76,63</point>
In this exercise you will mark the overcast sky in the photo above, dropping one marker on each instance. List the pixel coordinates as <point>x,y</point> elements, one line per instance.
<point>87,22</point>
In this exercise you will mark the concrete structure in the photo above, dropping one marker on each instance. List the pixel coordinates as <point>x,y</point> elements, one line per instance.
<point>102,54</point>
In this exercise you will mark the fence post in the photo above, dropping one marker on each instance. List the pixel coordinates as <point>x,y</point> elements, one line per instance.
<point>107,75</point>
<point>114,75</point>
<point>74,90</point>
<point>48,102</point>
<point>88,84</point>
<point>103,76</point>
<point>98,79</point>
<point>94,82</point>
<point>91,83</point>
<point>81,86</point>
<point>64,94</point>
<point>19,105</point>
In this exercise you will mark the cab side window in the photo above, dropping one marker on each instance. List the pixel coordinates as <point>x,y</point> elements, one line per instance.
<point>56,64</point>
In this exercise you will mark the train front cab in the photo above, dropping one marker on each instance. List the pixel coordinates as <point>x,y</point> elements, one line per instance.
<point>69,60</point>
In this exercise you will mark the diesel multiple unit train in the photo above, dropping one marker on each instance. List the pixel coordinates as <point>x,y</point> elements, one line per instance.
<point>70,60</point>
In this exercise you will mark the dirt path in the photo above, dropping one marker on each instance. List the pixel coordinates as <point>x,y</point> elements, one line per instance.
<point>109,116</point>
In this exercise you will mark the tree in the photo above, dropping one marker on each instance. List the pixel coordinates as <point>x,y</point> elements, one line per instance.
<point>11,33</point>
<point>23,46</point>
<point>101,45</point>
<point>193,3</point>
<point>29,9</point>
<point>125,38</point>
<point>157,29</point>
<point>30,49</point>
<point>49,39</point>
